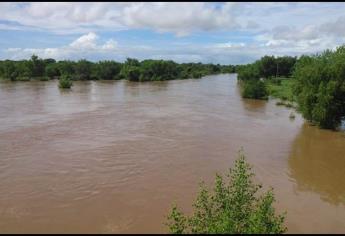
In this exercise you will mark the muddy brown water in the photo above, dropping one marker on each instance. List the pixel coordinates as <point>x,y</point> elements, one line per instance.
<point>112,156</point>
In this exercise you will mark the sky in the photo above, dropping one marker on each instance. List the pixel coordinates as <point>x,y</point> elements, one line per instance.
<point>208,32</point>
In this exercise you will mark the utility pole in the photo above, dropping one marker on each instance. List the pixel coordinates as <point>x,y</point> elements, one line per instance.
<point>277,70</point>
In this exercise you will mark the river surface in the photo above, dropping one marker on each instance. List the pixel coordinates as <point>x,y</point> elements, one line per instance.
<point>112,156</point>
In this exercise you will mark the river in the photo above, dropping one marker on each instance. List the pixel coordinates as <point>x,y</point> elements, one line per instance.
<point>112,156</point>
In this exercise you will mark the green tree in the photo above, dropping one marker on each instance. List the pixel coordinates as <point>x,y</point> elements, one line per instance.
<point>83,69</point>
<point>66,68</point>
<point>52,70</point>
<point>232,207</point>
<point>106,70</point>
<point>37,67</point>
<point>320,87</point>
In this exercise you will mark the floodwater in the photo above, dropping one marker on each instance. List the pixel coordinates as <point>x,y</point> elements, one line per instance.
<point>112,156</point>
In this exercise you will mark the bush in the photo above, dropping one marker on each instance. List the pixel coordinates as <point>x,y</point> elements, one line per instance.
<point>233,207</point>
<point>254,89</point>
<point>65,82</point>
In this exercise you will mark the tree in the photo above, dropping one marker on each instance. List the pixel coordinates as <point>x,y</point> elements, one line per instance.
<point>106,70</point>
<point>37,67</point>
<point>66,68</point>
<point>52,70</point>
<point>232,207</point>
<point>249,72</point>
<point>83,69</point>
<point>268,66</point>
<point>320,87</point>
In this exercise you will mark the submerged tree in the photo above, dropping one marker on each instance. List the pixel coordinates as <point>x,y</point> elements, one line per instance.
<point>232,207</point>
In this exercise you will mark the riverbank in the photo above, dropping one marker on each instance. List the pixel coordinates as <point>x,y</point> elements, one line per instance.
<point>282,88</point>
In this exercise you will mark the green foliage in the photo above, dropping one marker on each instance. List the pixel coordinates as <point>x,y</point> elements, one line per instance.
<point>267,67</point>
<point>249,72</point>
<point>133,73</point>
<point>281,88</point>
<point>52,70</point>
<point>320,87</point>
<point>131,69</point>
<point>232,207</point>
<point>83,70</point>
<point>66,68</point>
<point>153,70</point>
<point>106,70</point>
<point>65,82</point>
<point>36,66</point>
<point>254,89</point>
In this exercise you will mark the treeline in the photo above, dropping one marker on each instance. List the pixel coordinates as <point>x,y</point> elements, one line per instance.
<point>317,83</point>
<point>131,69</point>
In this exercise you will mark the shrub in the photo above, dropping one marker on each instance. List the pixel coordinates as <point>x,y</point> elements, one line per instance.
<point>233,207</point>
<point>254,89</point>
<point>65,82</point>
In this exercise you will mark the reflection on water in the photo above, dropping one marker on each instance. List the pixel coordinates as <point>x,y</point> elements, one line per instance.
<point>317,163</point>
<point>254,105</point>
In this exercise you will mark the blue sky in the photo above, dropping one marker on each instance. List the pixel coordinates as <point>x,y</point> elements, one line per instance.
<point>225,33</point>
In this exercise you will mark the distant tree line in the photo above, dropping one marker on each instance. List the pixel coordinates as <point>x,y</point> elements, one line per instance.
<point>131,69</point>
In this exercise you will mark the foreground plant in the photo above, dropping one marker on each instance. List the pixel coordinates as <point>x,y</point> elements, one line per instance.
<point>232,207</point>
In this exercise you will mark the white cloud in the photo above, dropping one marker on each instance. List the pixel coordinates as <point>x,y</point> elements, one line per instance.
<point>179,18</point>
<point>109,45</point>
<point>229,45</point>
<point>81,47</point>
<point>87,41</point>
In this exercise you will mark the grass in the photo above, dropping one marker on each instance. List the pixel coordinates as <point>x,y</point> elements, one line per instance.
<point>281,89</point>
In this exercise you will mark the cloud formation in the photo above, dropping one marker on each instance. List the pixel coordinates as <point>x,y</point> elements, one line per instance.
<point>179,18</point>
<point>192,31</point>
<point>79,48</point>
